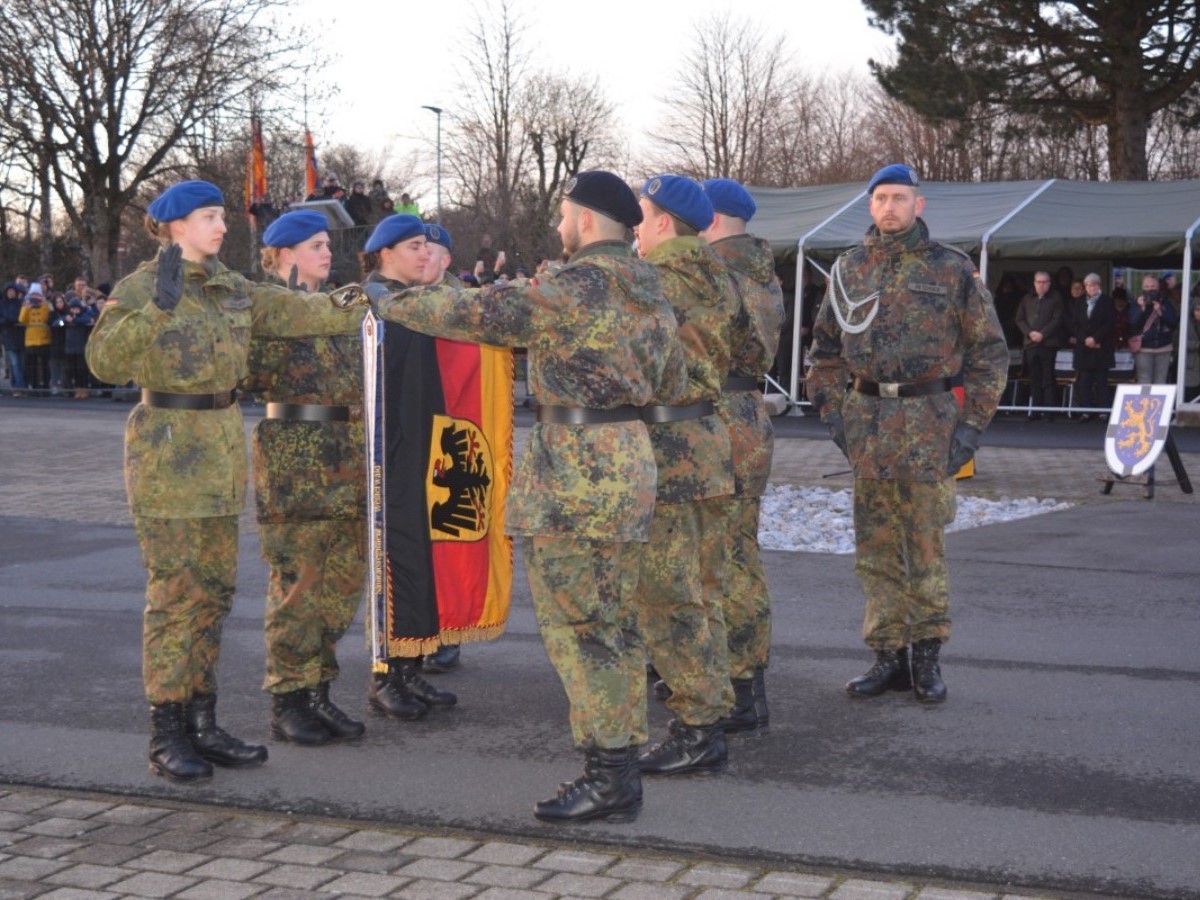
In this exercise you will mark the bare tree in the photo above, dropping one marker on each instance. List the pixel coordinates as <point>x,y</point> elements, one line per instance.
<point>112,91</point>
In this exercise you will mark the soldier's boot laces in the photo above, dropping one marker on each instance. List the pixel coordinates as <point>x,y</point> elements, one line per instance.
<point>329,714</point>
<point>389,696</point>
<point>294,720</point>
<point>889,673</point>
<point>171,754</point>
<point>422,689</point>
<point>688,749</point>
<point>926,672</point>
<point>610,788</point>
<point>213,742</point>
<point>742,719</point>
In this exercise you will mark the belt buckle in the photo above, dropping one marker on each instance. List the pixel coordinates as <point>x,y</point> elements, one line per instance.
<point>889,389</point>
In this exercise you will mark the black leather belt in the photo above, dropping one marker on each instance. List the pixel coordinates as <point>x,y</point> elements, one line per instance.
<point>308,412</point>
<point>576,415</point>
<point>165,400</point>
<point>740,383</point>
<point>658,414</point>
<point>902,389</point>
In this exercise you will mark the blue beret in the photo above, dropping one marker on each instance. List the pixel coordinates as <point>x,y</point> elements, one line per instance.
<point>730,198</point>
<point>436,234</point>
<point>293,227</point>
<point>605,193</point>
<point>681,197</point>
<point>393,230</point>
<point>181,199</point>
<point>896,173</point>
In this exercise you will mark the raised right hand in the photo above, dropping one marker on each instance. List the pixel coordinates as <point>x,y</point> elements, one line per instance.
<point>168,278</point>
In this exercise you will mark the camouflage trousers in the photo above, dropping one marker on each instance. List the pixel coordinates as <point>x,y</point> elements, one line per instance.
<point>583,598</point>
<point>191,572</point>
<point>745,599</point>
<point>901,559</point>
<point>318,573</point>
<point>679,606</point>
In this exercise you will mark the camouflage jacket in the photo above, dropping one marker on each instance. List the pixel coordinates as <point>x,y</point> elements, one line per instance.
<point>599,335</point>
<point>183,463</point>
<point>694,456</point>
<point>935,319</point>
<point>305,471</point>
<point>755,339</point>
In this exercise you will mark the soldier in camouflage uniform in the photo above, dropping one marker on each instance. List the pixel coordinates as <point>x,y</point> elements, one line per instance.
<point>682,571</point>
<point>602,343</point>
<point>904,315</point>
<point>310,494</point>
<point>180,327</point>
<point>745,599</point>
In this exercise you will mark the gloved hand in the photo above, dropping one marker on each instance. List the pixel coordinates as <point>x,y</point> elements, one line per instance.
<point>168,278</point>
<point>837,431</point>
<point>375,291</point>
<point>963,445</point>
<point>294,279</point>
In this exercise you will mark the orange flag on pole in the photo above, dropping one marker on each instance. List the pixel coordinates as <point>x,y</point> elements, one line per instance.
<point>310,164</point>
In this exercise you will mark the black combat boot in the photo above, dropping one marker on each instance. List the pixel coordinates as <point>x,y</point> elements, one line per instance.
<point>213,742</point>
<point>407,672</point>
<point>926,673</point>
<point>446,658</point>
<point>688,749</point>
<point>890,673</point>
<point>610,788</point>
<point>390,696</point>
<point>761,713</point>
<point>171,754</point>
<point>336,722</point>
<point>742,719</point>
<point>294,720</point>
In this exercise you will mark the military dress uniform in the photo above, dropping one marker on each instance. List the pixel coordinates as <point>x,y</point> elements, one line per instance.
<point>746,601</point>
<point>927,318</point>
<point>185,466</point>
<point>683,565</point>
<point>310,500</point>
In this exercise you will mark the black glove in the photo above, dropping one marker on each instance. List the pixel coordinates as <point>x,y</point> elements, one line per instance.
<point>837,431</point>
<point>375,292</point>
<point>294,279</point>
<point>168,278</point>
<point>963,445</point>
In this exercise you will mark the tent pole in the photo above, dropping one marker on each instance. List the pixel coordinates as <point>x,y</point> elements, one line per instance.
<point>987,235</point>
<point>1185,320</point>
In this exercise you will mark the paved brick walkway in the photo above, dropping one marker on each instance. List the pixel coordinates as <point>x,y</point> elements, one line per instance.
<point>66,847</point>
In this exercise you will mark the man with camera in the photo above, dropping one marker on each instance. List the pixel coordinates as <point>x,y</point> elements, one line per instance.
<point>1153,320</point>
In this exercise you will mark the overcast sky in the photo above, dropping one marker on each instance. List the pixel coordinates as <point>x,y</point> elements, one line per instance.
<point>392,59</point>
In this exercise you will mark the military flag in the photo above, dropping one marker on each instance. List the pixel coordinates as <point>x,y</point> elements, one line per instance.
<point>439,463</point>
<point>311,173</point>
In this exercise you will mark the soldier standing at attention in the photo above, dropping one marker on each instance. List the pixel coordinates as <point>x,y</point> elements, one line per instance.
<point>180,327</point>
<point>602,343</point>
<point>904,315</point>
<point>682,572</point>
<point>746,600</point>
<point>310,493</point>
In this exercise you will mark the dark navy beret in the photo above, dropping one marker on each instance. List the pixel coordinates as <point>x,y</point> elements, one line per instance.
<point>181,199</point>
<point>436,234</point>
<point>681,197</point>
<point>730,198</point>
<point>393,230</point>
<point>896,173</point>
<point>605,193</point>
<point>293,227</point>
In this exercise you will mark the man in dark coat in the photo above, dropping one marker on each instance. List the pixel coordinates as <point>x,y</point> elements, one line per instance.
<point>1092,323</point>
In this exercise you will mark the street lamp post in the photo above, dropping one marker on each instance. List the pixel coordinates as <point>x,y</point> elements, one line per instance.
<point>438,112</point>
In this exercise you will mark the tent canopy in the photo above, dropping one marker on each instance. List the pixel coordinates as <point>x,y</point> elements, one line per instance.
<point>1019,219</point>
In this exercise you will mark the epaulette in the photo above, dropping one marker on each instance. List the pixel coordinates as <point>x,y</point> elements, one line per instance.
<point>963,253</point>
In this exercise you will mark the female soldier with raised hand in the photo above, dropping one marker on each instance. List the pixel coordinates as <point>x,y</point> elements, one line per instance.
<point>180,327</point>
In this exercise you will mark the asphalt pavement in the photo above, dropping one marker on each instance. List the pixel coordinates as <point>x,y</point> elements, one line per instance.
<point>1064,762</point>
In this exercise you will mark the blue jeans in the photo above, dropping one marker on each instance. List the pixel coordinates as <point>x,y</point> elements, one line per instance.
<point>16,376</point>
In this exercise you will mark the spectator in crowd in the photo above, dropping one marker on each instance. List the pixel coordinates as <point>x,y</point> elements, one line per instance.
<point>1006,300</point>
<point>1062,281</point>
<point>1092,328</point>
<point>1191,374</point>
<point>486,261</point>
<point>35,316</point>
<point>330,190</point>
<point>264,212</point>
<point>1152,325</point>
<point>1171,289</point>
<point>382,205</point>
<point>407,206</point>
<point>1041,317</point>
<point>1120,299</point>
<point>58,342</point>
<point>12,336</point>
<point>358,204</point>
<point>1077,292</point>
<point>78,327</point>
